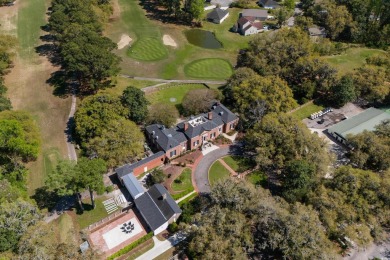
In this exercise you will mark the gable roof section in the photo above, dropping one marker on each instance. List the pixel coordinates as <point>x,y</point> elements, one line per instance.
<point>157,206</point>
<point>128,168</point>
<point>367,120</point>
<point>254,13</point>
<point>167,138</point>
<point>133,186</point>
<point>224,113</point>
<point>217,14</point>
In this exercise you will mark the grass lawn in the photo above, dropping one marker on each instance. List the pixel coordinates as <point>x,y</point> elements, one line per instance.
<point>90,215</point>
<point>238,164</point>
<point>217,172</point>
<point>141,249</point>
<point>148,49</point>
<point>183,181</point>
<point>352,59</point>
<point>168,62</point>
<point>257,178</point>
<point>176,92</point>
<point>209,68</point>
<point>306,111</point>
<point>28,90</point>
<point>66,228</point>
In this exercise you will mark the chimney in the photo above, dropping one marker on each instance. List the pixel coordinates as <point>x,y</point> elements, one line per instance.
<point>164,196</point>
<point>185,126</point>
<point>210,115</point>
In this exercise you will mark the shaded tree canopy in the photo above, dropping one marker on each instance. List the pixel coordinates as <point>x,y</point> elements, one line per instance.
<point>280,138</point>
<point>198,101</point>
<point>121,141</point>
<point>242,222</point>
<point>134,99</point>
<point>162,113</point>
<point>94,114</point>
<point>253,96</point>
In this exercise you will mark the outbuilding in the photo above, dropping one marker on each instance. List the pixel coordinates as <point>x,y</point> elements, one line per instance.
<point>218,15</point>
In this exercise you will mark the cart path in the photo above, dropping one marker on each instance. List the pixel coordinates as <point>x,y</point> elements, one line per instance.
<point>72,155</point>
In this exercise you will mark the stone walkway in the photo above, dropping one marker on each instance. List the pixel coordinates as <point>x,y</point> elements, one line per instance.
<point>232,172</point>
<point>186,196</point>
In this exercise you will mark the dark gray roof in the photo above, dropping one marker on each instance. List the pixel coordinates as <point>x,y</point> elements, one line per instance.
<point>269,3</point>
<point>128,168</point>
<point>150,212</point>
<point>223,113</point>
<point>167,138</point>
<point>217,14</point>
<point>132,185</point>
<point>155,207</point>
<point>254,13</point>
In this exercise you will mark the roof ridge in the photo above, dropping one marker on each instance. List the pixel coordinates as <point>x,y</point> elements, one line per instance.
<point>156,205</point>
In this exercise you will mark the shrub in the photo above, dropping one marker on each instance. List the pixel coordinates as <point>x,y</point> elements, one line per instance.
<point>109,189</point>
<point>172,228</point>
<point>130,247</point>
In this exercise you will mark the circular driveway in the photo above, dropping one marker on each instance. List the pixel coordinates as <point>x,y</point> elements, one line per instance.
<point>202,170</point>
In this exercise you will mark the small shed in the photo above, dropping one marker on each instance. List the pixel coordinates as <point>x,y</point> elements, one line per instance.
<point>218,15</point>
<point>133,186</point>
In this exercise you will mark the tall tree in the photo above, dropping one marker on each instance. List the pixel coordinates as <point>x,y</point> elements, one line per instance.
<point>134,99</point>
<point>121,141</point>
<point>198,101</point>
<point>89,173</point>
<point>344,91</point>
<point>161,113</point>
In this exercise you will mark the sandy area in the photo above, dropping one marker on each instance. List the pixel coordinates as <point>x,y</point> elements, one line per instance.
<point>167,39</point>
<point>8,17</point>
<point>124,41</point>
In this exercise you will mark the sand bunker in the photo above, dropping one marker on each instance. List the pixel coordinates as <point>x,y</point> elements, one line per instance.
<point>125,40</point>
<point>167,39</point>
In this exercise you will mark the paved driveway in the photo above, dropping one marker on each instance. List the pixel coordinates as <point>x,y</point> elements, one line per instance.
<point>201,171</point>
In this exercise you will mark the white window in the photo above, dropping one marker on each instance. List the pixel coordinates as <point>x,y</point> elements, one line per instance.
<point>145,168</point>
<point>220,129</point>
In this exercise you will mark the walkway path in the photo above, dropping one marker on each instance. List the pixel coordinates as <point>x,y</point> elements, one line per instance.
<point>68,132</point>
<point>199,81</point>
<point>201,172</point>
<point>232,172</point>
<point>162,246</point>
<point>186,196</point>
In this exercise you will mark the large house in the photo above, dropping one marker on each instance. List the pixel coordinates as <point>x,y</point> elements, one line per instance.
<point>256,14</point>
<point>218,15</point>
<point>193,132</point>
<point>248,26</point>
<point>269,4</point>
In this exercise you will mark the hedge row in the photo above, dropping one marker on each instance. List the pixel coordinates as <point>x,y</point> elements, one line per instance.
<point>130,247</point>
<point>182,194</point>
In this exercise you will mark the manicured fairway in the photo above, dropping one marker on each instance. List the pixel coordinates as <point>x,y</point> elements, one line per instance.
<point>183,182</point>
<point>148,49</point>
<point>352,58</point>
<point>172,94</point>
<point>209,68</point>
<point>217,172</point>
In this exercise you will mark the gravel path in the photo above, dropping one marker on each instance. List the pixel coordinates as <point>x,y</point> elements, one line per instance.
<point>201,171</point>
<point>68,132</point>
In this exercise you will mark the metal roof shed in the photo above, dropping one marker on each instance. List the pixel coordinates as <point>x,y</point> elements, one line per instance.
<point>367,120</point>
<point>133,186</point>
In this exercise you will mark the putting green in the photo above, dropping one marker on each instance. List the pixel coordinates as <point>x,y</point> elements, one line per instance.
<point>209,68</point>
<point>148,49</point>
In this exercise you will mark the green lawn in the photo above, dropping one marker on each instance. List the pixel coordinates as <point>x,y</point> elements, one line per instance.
<point>30,19</point>
<point>352,59</point>
<point>169,62</point>
<point>217,172</point>
<point>90,215</point>
<point>66,228</point>
<point>212,68</point>
<point>183,181</point>
<point>148,49</point>
<point>237,163</point>
<point>172,94</point>
<point>306,111</point>
<point>257,178</point>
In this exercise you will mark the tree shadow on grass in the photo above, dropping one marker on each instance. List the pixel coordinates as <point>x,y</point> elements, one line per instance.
<point>45,198</point>
<point>59,81</point>
<point>153,12</point>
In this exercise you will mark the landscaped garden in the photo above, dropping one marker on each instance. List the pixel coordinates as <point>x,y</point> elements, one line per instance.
<point>183,181</point>
<point>209,68</point>
<point>172,94</point>
<point>217,172</point>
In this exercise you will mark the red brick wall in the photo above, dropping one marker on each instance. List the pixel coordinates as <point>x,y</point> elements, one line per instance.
<point>150,165</point>
<point>179,150</point>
